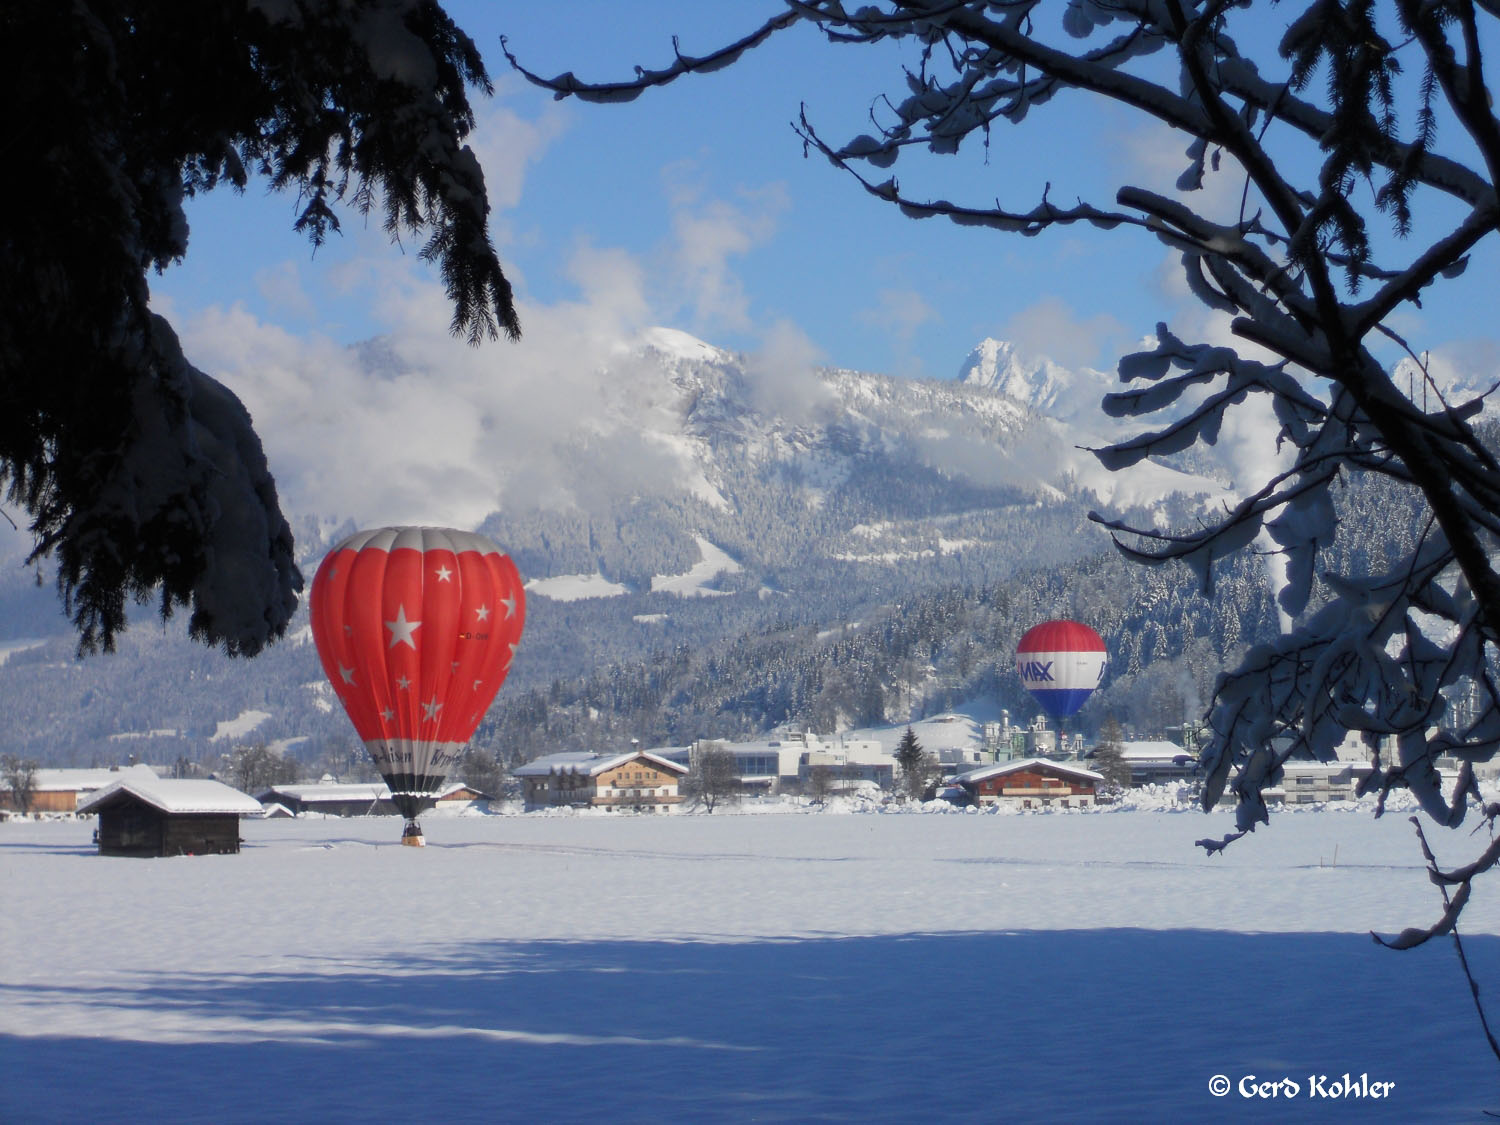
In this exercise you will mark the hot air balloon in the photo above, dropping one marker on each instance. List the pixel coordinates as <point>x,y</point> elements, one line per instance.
<point>416,628</point>
<point>1061,663</point>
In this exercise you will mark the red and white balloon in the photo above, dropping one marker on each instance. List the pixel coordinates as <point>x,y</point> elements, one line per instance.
<point>416,628</point>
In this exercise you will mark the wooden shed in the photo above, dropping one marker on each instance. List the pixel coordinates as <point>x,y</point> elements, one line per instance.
<point>169,817</point>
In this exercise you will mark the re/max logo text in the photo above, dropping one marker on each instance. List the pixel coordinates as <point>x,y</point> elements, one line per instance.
<point>1036,671</point>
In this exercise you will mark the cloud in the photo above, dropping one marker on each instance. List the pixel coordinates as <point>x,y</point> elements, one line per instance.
<point>783,375</point>
<point>708,234</point>
<point>899,312</point>
<point>1050,328</point>
<point>417,427</point>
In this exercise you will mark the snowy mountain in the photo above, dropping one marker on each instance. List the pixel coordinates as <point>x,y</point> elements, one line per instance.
<point>693,498</point>
<point>1038,383</point>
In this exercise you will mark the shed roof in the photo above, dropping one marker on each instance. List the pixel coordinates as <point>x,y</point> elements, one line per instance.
<point>174,795</point>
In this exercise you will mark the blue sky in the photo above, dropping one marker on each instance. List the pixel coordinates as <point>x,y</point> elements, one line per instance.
<point>693,208</point>
<point>704,186</point>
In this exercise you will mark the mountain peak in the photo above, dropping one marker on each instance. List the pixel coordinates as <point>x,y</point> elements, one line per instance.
<point>1037,382</point>
<point>676,344</point>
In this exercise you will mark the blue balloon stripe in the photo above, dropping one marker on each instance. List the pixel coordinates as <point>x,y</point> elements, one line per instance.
<point>1061,702</point>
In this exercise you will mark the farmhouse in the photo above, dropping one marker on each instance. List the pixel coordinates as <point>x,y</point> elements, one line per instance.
<point>1032,783</point>
<point>639,781</point>
<point>169,817</point>
<point>60,790</point>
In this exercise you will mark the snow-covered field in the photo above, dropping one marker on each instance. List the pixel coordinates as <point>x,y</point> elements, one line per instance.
<point>785,967</point>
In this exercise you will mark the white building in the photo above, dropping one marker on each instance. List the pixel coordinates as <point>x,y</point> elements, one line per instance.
<point>789,759</point>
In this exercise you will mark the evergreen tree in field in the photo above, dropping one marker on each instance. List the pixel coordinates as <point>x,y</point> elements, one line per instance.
<point>1109,758</point>
<point>142,476</point>
<point>915,763</point>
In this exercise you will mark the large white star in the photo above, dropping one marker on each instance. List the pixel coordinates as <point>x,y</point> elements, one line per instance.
<point>402,629</point>
<point>430,710</point>
<point>443,574</point>
<point>510,606</point>
<point>482,613</point>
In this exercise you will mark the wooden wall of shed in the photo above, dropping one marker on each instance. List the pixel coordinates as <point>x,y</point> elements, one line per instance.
<point>140,830</point>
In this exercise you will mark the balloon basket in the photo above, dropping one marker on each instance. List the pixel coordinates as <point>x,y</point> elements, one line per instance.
<point>411,835</point>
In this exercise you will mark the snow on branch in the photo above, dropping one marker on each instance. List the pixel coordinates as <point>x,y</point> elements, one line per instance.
<point>567,85</point>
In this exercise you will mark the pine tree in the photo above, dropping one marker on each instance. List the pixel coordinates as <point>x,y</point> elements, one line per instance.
<point>1109,758</point>
<point>916,765</point>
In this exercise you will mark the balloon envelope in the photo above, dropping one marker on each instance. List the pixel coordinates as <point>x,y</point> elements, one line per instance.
<point>416,628</point>
<point>1061,663</point>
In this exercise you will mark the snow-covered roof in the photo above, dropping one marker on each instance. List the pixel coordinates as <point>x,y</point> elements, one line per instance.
<point>84,781</point>
<point>1153,750</point>
<point>174,795</point>
<point>320,791</point>
<point>1000,768</point>
<point>592,764</point>
<point>541,767</point>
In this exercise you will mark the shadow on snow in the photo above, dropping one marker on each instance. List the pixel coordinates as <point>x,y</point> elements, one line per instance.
<point>1100,1025</point>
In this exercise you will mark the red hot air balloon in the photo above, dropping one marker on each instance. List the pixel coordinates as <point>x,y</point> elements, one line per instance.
<point>416,628</point>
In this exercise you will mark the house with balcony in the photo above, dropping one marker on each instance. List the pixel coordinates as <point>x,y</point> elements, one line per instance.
<point>1031,783</point>
<point>637,781</point>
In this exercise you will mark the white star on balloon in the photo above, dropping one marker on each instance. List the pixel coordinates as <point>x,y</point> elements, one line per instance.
<point>403,683</point>
<point>346,674</point>
<point>402,629</point>
<point>443,574</point>
<point>510,606</point>
<point>387,714</point>
<point>482,613</point>
<point>430,710</point>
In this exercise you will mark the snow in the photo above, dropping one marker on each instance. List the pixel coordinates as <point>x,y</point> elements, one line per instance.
<point>575,587</point>
<point>22,645</point>
<point>131,735</point>
<point>695,583</point>
<point>783,967</point>
<point>178,796</point>
<point>241,725</point>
